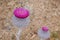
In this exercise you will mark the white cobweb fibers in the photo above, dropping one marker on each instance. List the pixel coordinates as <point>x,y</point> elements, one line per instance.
<point>20,22</point>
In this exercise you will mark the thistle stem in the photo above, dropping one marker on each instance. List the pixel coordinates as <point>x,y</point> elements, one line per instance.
<point>18,34</point>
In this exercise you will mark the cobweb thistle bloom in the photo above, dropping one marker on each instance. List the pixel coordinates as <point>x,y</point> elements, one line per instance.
<point>44,33</point>
<point>21,17</point>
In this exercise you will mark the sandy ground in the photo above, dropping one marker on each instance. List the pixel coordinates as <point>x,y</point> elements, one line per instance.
<point>45,13</point>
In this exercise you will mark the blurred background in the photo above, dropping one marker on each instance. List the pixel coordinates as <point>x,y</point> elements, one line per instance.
<point>45,13</point>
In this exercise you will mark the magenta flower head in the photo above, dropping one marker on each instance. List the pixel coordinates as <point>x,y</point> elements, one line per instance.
<point>44,28</point>
<point>21,13</point>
